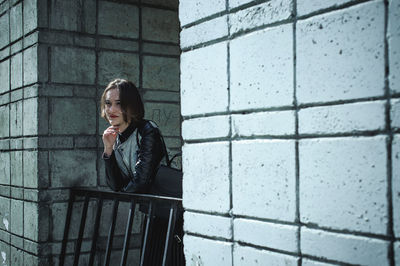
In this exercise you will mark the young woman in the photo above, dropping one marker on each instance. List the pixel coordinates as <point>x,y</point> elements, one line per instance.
<point>131,167</point>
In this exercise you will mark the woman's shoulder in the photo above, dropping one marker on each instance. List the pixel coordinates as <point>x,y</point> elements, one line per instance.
<point>148,127</point>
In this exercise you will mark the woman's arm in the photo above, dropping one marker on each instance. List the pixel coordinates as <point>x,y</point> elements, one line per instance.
<point>113,173</point>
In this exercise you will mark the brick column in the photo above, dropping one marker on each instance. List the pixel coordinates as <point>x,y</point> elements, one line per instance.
<point>56,57</point>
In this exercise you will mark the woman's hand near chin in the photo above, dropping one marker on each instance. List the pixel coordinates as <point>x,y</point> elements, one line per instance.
<point>109,137</point>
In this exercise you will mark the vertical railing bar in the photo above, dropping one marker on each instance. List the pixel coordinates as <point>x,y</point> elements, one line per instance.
<point>146,233</point>
<point>170,232</point>
<point>96,230</point>
<point>111,233</point>
<point>66,229</point>
<point>128,233</point>
<point>81,229</point>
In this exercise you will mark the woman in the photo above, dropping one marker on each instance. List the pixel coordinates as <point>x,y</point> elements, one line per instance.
<point>130,167</point>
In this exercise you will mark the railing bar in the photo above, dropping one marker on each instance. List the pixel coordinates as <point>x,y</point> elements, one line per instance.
<point>111,232</point>
<point>96,230</point>
<point>66,229</point>
<point>128,233</point>
<point>81,229</point>
<point>170,233</point>
<point>146,233</point>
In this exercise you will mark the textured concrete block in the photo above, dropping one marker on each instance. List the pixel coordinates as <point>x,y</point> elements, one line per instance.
<point>31,70</point>
<point>158,95</point>
<point>16,256</point>
<point>17,218</point>
<point>344,248</point>
<point>259,15</point>
<point>16,95</point>
<point>30,14</point>
<point>116,44</point>
<point>16,22</point>
<point>204,32</point>
<point>165,3</point>
<point>5,168</point>
<point>270,235</point>
<point>73,116</point>
<point>236,3</point>
<point>248,256</point>
<point>395,113</point>
<point>73,65</point>
<point>340,55</point>
<point>396,184</point>
<point>206,185</point>
<point>5,253</point>
<point>263,123</point>
<point>112,14</point>
<point>4,213</point>
<point>160,25</point>
<point>5,29</point>
<point>206,127</point>
<point>397,252</point>
<point>166,116</point>
<point>262,77</point>
<point>200,251</point>
<point>122,65</point>
<point>204,80</point>
<point>16,71</point>
<point>263,179</point>
<point>85,142</point>
<point>16,168</point>
<point>308,262</point>
<point>161,73</point>
<point>209,225</point>
<point>36,221</point>
<point>343,183</point>
<point>305,7</point>
<point>4,76</point>
<point>190,11</point>
<point>162,49</point>
<point>30,121</point>
<point>394,44</point>
<point>16,119</point>
<point>71,168</point>
<point>342,118</point>
<point>4,121</point>
<point>30,168</point>
<point>73,15</point>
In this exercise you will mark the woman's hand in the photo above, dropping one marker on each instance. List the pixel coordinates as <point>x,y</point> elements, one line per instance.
<point>109,137</point>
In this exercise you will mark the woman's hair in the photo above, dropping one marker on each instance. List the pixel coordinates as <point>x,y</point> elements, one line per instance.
<point>131,102</point>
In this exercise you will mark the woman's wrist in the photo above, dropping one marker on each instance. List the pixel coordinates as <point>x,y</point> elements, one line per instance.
<point>108,151</point>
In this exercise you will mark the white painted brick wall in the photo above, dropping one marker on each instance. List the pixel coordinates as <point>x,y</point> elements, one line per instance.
<point>396,184</point>
<point>259,15</point>
<point>340,55</point>
<point>206,176</point>
<point>305,7</point>
<point>205,127</point>
<point>344,248</point>
<point>262,77</point>
<point>247,256</point>
<point>263,179</point>
<point>395,113</point>
<point>236,3</point>
<point>394,45</point>
<point>205,252</point>
<point>192,10</point>
<point>204,32</point>
<point>343,183</point>
<point>342,118</point>
<point>264,123</point>
<point>209,225</point>
<point>270,235</point>
<point>204,80</point>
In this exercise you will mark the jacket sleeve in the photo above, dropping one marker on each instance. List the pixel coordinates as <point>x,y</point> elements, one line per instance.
<point>113,174</point>
<point>149,157</point>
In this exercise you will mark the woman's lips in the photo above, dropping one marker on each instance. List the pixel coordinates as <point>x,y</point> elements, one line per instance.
<point>113,116</point>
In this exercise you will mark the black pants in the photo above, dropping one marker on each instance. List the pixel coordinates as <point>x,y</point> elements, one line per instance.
<point>156,242</point>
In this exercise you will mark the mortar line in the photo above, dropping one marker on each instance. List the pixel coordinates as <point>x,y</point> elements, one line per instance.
<point>22,127</point>
<point>390,229</point>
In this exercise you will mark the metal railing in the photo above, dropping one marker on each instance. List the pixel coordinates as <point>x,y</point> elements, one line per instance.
<point>89,194</point>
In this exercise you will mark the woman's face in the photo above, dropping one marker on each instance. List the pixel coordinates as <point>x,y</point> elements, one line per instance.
<point>113,109</point>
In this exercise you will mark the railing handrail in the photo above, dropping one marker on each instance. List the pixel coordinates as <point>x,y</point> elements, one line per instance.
<point>174,205</point>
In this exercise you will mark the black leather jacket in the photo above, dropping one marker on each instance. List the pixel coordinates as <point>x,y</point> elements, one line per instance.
<point>149,155</point>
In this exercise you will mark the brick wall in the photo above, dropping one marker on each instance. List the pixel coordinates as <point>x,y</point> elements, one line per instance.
<point>291,132</point>
<point>56,57</point>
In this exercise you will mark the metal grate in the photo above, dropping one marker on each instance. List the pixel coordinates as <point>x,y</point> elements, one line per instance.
<point>134,199</point>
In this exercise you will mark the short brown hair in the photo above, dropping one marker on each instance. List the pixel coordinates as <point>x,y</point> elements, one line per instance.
<point>131,102</point>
